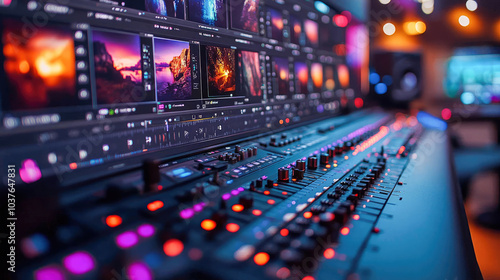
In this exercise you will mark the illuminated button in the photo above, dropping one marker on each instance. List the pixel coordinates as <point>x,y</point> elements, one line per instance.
<point>173,247</point>
<point>261,258</point>
<point>345,231</point>
<point>113,220</point>
<point>79,262</point>
<point>329,253</point>
<point>155,205</point>
<point>238,208</point>
<point>127,239</point>
<point>232,227</point>
<point>208,225</point>
<point>256,212</point>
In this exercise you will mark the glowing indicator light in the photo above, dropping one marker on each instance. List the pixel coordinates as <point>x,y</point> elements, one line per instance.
<point>446,114</point>
<point>261,258</point>
<point>471,5</point>
<point>340,20</point>
<point>146,230</point>
<point>464,21</point>
<point>173,247</point>
<point>267,192</point>
<point>127,239</point>
<point>345,231</point>
<point>389,29</point>
<point>49,273</point>
<point>308,278</point>
<point>358,102</point>
<point>356,217</point>
<point>29,171</point>
<point>73,165</point>
<point>232,227</point>
<point>79,263</point>
<point>328,166</point>
<point>308,215</point>
<point>226,196</point>
<point>271,202</point>
<point>113,221</point>
<point>139,271</point>
<point>329,253</point>
<point>208,225</point>
<point>284,193</point>
<point>281,121</point>
<point>187,213</point>
<point>256,212</point>
<point>238,208</point>
<point>284,232</point>
<point>155,205</point>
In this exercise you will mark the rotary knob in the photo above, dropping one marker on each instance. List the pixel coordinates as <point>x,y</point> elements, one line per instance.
<point>312,162</point>
<point>300,164</point>
<point>283,174</point>
<point>324,158</point>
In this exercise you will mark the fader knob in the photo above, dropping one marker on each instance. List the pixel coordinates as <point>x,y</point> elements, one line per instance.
<point>237,148</point>
<point>312,162</point>
<point>324,158</point>
<point>269,184</point>
<point>331,152</point>
<point>283,174</point>
<point>259,183</point>
<point>297,174</point>
<point>300,164</point>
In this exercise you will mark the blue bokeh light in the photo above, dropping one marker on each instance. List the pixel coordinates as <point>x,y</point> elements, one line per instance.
<point>380,88</point>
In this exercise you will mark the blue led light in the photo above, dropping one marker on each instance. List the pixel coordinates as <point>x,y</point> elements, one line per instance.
<point>387,79</point>
<point>185,174</point>
<point>467,98</point>
<point>431,122</point>
<point>178,171</point>
<point>374,78</point>
<point>321,7</point>
<point>380,88</point>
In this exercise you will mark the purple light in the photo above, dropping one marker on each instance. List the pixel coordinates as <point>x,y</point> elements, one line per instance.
<point>139,271</point>
<point>29,171</point>
<point>187,213</point>
<point>146,230</point>
<point>79,262</point>
<point>241,189</point>
<point>198,207</point>
<point>235,192</point>
<point>49,273</point>
<point>127,239</point>
<point>226,196</point>
<point>264,177</point>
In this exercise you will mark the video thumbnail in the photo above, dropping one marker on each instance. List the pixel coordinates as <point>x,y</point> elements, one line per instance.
<point>329,78</point>
<point>301,78</point>
<point>295,30</point>
<point>211,12</point>
<point>276,25</point>
<point>40,71</point>
<point>282,71</point>
<point>245,15</point>
<point>251,77</point>
<point>221,67</point>
<point>173,70</point>
<point>169,8</point>
<point>117,63</point>
<point>317,76</point>
<point>311,29</point>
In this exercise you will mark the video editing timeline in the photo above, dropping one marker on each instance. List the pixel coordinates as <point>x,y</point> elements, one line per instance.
<point>147,65</point>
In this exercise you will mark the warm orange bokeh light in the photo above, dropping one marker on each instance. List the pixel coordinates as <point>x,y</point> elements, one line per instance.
<point>261,258</point>
<point>173,247</point>
<point>113,220</point>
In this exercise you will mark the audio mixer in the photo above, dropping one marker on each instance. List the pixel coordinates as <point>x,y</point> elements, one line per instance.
<point>210,139</point>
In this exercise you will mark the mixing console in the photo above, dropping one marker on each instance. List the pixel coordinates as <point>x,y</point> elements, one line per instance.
<point>303,204</point>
